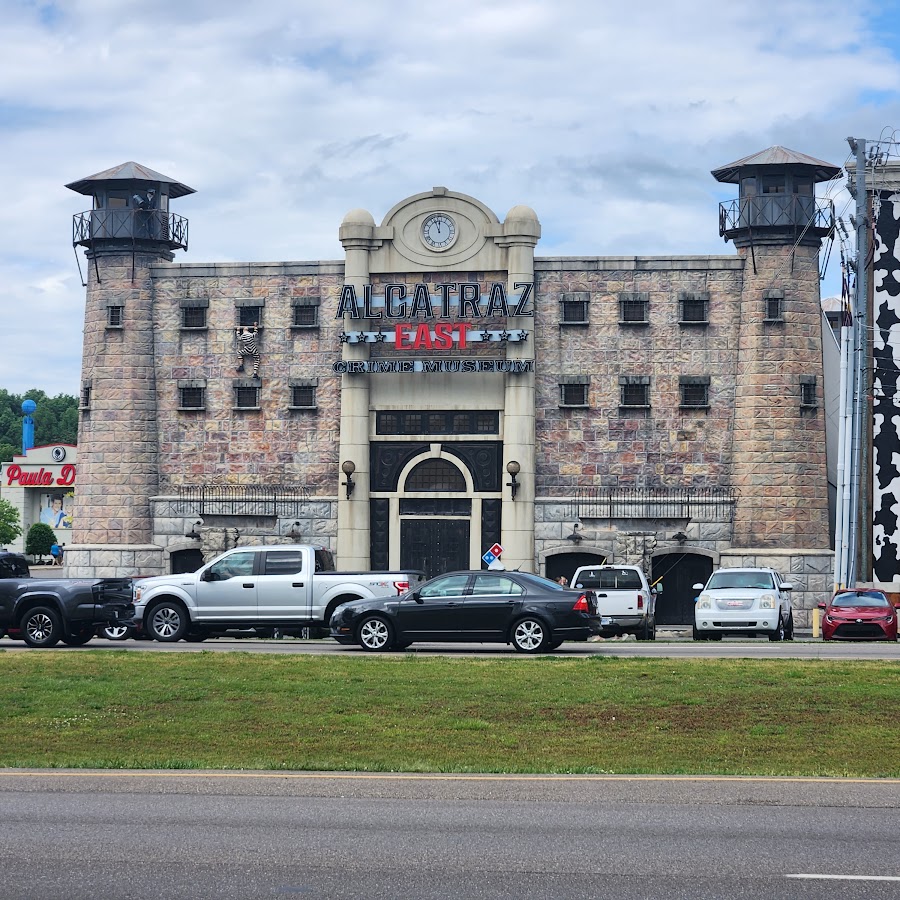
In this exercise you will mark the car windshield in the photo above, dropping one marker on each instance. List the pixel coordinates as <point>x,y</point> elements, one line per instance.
<point>611,579</point>
<point>860,598</point>
<point>537,582</point>
<point>737,579</point>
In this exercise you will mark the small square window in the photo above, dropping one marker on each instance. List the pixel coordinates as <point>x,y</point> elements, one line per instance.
<point>634,309</point>
<point>193,317</point>
<point>388,423</point>
<point>635,393</point>
<point>694,394</point>
<point>487,423</point>
<point>573,308</point>
<point>573,395</point>
<point>305,317</point>
<point>192,398</point>
<point>114,316</point>
<point>250,316</point>
<point>774,309</point>
<point>86,395</point>
<point>303,396</point>
<point>693,308</point>
<point>246,398</point>
<point>808,398</point>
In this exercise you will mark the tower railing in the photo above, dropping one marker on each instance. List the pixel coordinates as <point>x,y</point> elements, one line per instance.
<point>797,212</point>
<point>130,225</point>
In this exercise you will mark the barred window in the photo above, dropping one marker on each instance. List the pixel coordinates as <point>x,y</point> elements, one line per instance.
<point>438,422</point>
<point>246,397</point>
<point>774,309</point>
<point>114,316</point>
<point>634,391</point>
<point>693,308</point>
<point>193,317</point>
<point>192,398</point>
<point>634,308</point>
<point>694,392</point>
<point>306,316</point>
<point>573,395</point>
<point>435,475</point>
<point>303,396</point>
<point>574,308</point>
<point>86,395</point>
<point>250,316</point>
<point>808,398</point>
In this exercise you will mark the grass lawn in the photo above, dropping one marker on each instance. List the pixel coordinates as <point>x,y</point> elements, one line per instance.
<point>416,714</point>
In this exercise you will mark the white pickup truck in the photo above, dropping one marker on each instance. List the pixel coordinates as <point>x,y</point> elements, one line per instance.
<point>625,600</point>
<point>283,586</point>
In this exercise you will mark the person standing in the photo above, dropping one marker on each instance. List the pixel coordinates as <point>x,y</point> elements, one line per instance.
<point>56,553</point>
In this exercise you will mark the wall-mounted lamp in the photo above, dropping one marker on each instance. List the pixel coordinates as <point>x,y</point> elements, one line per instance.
<point>193,534</point>
<point>348,468</point>
<point>679,536</point>
<point>575,537</point>
<point>513,468</point>
<point>295,530</point>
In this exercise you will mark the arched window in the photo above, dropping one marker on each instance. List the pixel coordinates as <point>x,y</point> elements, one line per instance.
<point>435,475</point>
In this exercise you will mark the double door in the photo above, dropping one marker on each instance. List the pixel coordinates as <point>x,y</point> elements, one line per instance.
<point>434,545</point>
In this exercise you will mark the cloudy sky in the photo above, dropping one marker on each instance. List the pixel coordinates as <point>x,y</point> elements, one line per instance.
<point>605,117</point>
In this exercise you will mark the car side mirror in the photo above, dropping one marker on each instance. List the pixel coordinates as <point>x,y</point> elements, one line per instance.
<point>822,605</point>
<point>785,586</point>
<point>209,575</point>
<point>698,587</point>
<point>417,596</point>
<point>657,589</point>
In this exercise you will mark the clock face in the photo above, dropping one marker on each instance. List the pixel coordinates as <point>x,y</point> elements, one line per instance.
<point>439,231</point>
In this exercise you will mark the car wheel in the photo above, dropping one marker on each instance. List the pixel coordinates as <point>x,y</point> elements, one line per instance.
<point>78,638</point>
<point>376,634</point>
<point>789,629</point>
<point>167,621</point>
<point>653,630</point>
<point>698,635</point>
<point>647,632</point>
<point>530,636</point>
<point>41,627</point>
<point>115,632</point>
<point>778,633</point>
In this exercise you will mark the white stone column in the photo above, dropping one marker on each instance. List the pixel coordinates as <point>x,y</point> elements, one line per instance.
<point>353,544</point>
<point>521,232</point>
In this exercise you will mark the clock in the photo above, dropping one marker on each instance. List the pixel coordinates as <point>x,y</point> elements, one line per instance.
<point>438,231</point>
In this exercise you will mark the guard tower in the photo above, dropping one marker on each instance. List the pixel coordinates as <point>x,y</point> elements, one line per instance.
<point>779,466</point>
<point>128,230</point>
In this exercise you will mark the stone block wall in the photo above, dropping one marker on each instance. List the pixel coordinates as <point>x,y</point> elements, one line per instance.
<point>606,444</point>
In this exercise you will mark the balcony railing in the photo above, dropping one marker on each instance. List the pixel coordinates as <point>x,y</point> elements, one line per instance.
<point>796,212</point>
<point>130,225</point>
<point>702,505</point>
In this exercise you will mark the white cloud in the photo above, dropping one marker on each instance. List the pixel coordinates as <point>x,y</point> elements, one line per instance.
<point>605,118</point>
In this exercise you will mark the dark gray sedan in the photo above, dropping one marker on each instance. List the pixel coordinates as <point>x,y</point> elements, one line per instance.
<point>529,612</point>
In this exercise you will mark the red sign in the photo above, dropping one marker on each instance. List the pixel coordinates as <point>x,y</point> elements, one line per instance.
<point>497,550</point>
<point>409,336</point>
<point>15,474</point>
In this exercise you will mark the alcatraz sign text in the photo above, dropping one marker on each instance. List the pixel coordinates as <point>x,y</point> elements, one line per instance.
<point>459,300</point>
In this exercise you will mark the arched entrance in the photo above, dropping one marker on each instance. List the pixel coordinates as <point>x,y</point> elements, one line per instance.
<point>435,531</point>
<point>181,561</point>
<point>678,572</point>
<point>566,564</point>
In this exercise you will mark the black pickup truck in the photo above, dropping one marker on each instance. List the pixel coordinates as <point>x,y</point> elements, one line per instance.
<point>44,611</point>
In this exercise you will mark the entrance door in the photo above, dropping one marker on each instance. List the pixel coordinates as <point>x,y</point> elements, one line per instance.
<point>678,572</point>
<point>435,545</point>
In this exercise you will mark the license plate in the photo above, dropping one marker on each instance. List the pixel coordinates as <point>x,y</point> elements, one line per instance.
<point>605,620</point>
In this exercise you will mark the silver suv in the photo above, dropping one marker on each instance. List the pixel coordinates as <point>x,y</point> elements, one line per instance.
<point>744,601</point>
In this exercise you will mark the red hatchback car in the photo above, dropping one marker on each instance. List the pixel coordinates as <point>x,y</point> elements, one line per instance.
<point>859,614</point>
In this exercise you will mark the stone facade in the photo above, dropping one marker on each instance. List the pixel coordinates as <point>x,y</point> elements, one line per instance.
<point>663,375</point>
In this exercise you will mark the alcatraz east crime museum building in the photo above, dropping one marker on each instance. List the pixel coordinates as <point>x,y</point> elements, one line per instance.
<point>441,389</point>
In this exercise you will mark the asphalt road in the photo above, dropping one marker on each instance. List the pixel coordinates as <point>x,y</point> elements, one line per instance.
<point>145,836</point>
<point>729,648</point>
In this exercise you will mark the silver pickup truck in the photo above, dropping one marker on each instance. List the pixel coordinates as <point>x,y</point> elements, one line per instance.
<point>284,586</point>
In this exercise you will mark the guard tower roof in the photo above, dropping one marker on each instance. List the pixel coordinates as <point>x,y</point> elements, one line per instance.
<point>130,171</point>
<point>777,157</point>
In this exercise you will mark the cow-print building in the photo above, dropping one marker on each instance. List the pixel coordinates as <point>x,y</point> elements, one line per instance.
<point>885,403</point>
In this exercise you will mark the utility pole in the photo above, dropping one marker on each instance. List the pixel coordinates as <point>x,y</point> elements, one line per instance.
<point>857,564</point>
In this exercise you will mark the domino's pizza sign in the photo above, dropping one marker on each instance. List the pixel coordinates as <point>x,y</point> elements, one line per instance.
<point>493,554</point>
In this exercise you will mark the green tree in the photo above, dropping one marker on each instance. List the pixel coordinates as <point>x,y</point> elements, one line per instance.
<point>10,528</point>
<point>40,539</point>
<point>7,452</point>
